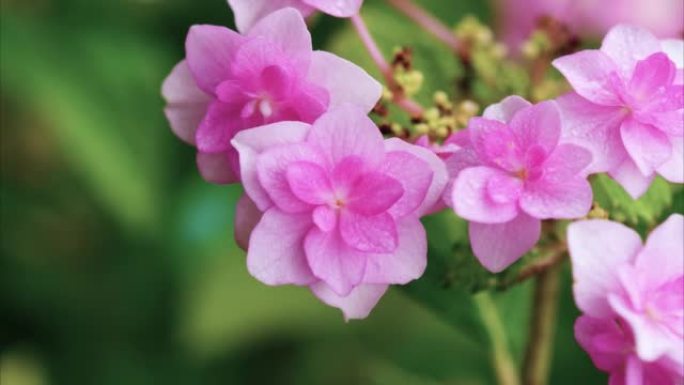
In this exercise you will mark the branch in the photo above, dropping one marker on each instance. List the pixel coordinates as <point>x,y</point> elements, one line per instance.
<point>555,256</point>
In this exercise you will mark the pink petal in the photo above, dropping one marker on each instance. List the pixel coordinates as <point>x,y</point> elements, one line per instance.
<point>337,8</point>
<point>276,253</point>
<point>210,50</point>
<point>407,262</point>
<point>251,143</point>
<point>325,217</point>
<point>471,200</point>
<point>357,304</point>
<point>414,175</point>
<point>670,122</point>
<point>186,104</point>
<point>272,168</point>
<point>247,216</point>
<point>538,125</point>
<point>594,127</point>
<point>371,234</point>
<point>651,75</point>
<point>309,103</point>
<point>495,144</point>
<point>248,12</point>
<point>673,168</point>
<point>662,258</point>
<point>632,180</point>
<point>287,30</point>
<point>309,182</point>
<point>674,49</point>
<point>505,109</point>
<point>648,147</point>
<point>216,167</point>
<point>333,262</point>
<point>498,245</point>
<point>604,341</point>
<point>626,45</point>
<point>347,131</point>
<point>597,248</point>
<point>345,81</point>
<point>590,73</point>
<point>219,126</point>
<point>503,189</point>
<point>374,193</point>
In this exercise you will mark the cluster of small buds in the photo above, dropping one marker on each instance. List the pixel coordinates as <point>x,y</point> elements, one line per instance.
<point>446,117</point>
<point>408,79</point>
<point>550,38</point>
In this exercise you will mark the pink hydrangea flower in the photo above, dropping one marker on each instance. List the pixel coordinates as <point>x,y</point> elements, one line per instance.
<point>341,207</point>
<point>632,297</point>
<point>249,12</point>
<point>628,107</point>
<point>511,174</point>
<point>230,82</point>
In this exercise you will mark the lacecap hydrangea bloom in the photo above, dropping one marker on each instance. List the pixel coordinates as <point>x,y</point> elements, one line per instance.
<point>341,207</point>
<point>632,297</point>
<point>628,107</point>
<point>249,12</point>
<point>230,82</point>
<point>511,173</point>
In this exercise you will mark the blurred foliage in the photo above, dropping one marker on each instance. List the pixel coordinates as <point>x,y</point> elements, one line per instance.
<point>117,261</point>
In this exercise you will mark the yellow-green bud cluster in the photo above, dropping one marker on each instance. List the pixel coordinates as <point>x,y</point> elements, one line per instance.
<point>445,117</point>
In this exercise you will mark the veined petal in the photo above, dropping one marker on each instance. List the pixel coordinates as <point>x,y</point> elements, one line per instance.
<point>626,45</point>
<point>673,168</point>
<point>219,126</point>
<point>590,73</point>
<point>648,147</point>
<point>471,199</point>
<point>505,109</point>
<point>631,179</point>
<point>186,104</point>
<point>210,50</point>
<point>651,75</point>
<point>333,262</point>
<point>370,234</point>
<point>374,193</point>
<point>537,125</point>
<point>248,12</point>
<point>286,28</point>
<point>499,245</point>
<point>338,8</point>
<point>357,304</point>
<point>495,144</point>
<point>309,182</point>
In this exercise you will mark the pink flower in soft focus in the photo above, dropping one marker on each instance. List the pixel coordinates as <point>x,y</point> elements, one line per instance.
<point>249,12</point>
<point>632,297</point>
<point>514,173</point>
<point>443,150</point>
<point>628,107</point>
<point>230,82</point>
<point>340,206</point>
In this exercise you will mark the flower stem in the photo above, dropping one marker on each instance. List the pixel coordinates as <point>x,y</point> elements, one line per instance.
<point>539,353</point>
<point>398,95</point>
<point>555,256</point>
<point>504,366</point>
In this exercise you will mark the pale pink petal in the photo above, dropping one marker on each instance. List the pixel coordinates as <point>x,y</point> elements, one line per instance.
<point>502,189</point>
<point>651,75</point>
<point>413,175</point>
<point>505,109</point>
<point>337,8</point>
<point>276,254</point>
<point>347,131</point>
<point>357,304</point>
<point>333,262</point>
<point>219,126</point>
<point>272,168</point>
<point>287,30</point>
<point>309,182</point>
<point>626,45</point>
<point>590,72</point>
<point>648,147</point>
<point>597,248</point>
<point>374,193</point>
<point>538,125</point>
<point>404,264</point>
<point>498,245</point>
<point>631,179</point>
<point>471,200</point>
<point>670,122</point>
<point>325,217</point>
<point>495,144</point>
<point>604,340</point>
<point>345,81</point>
<point>250,143</point>
<point>662,257</point>
<point>370,234</point>
<point>216,167</point>
<point>186,104</point>
<point>674,49</point>
<point>210,50</point>
<point>247,216</point>
<point>248,12</point>
<point>673,168</point>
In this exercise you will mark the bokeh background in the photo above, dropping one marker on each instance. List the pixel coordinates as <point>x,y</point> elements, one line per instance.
<point>118,265</point>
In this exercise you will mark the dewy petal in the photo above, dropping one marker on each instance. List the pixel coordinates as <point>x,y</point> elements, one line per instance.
<point>347,131</point>
<point>272,168</point>
<point>495,144</point>
<point>413,175</point>
<point>286,29</point>
<point>210,50</point>
<point>370,234</point>
<point>589,72</point>
<point>333,262</point>
<point>648,147</point>
<point>506,108</point>
<point>651,75</point>
<point>276,255</point>
<point>251,143</point>
<point>216,167</point>
<point>374,193</point>
<point>219,126</point>
<point>407,262</point>
<point>186,104</point>
<point>345,81</point>
<point>309,182</point>
<point>357,304</point>
<point>498,245</point>
<point>626,45</point>
<point>471,200</point>
<point>248,12</point>
<point>247,216</point>
<point>597,248</point>
<point>337,8</point>
<point>594,127</point>
<point>673,168</point>
<point>631,179</point>
<point>537,125</point>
